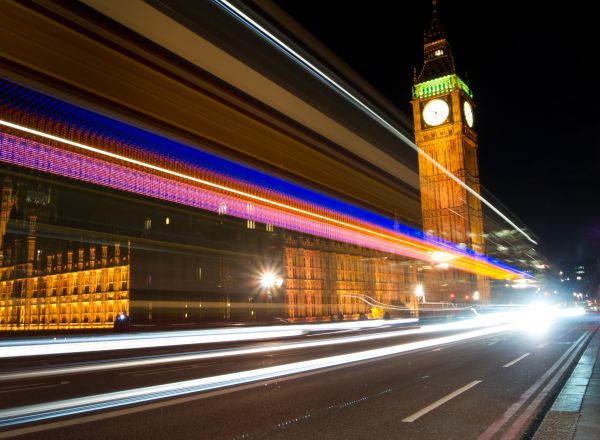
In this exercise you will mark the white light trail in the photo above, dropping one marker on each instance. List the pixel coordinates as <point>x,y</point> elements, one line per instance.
<point>253,24</point>
<point>45,411</point>
<point>38,347</point>
<point>148,361</point>
<point>135,343</point>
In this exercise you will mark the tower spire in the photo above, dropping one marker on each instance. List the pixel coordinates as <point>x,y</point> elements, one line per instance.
<point>436,29</point>
<point>437,55</point>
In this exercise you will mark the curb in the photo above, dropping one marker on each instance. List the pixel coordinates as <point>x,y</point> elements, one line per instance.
<point>560,422</point>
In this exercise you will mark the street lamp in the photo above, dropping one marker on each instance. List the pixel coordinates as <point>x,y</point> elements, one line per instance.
<point>269,280</point>
<point>250,311</point>
<point>476,295</point>
<point>420,293</point>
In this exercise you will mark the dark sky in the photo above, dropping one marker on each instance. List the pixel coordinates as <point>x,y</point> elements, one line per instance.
<point>530,66</point>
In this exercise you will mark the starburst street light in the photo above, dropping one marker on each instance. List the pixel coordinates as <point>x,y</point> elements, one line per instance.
<point>269,280</point>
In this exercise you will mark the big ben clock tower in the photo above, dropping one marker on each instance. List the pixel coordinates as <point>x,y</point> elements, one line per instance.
<point>444,121</point>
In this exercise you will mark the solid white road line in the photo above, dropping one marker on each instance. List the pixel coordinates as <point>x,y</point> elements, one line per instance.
<point>440,402</point>
<point>511,363</point>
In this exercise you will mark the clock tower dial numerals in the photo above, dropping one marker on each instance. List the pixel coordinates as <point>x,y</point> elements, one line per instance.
<point>436,112</point>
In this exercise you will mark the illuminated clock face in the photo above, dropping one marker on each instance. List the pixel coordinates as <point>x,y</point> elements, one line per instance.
<point>468,111</point>
<point>436,112</point>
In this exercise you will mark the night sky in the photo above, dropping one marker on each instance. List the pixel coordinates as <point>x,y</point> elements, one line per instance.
<point>537,96</point>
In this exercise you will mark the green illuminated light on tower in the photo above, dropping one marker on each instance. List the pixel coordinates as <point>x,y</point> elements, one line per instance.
<point>440,86</point>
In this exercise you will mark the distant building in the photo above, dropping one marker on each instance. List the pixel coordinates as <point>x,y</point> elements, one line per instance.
<point>511,247</point>
<point>581,280</point>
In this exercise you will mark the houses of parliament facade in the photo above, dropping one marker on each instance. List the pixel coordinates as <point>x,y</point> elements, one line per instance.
<point>62,269</point>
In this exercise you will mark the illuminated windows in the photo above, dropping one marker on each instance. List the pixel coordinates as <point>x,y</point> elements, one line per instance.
<point>250,224</point>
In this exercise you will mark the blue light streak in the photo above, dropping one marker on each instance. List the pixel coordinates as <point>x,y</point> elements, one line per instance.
<point>21,101</point>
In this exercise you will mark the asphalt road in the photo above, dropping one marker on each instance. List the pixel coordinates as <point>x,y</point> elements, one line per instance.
<point>486,386</point>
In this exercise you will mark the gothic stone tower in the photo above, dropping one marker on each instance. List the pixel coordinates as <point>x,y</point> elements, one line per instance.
<point>443,113</point>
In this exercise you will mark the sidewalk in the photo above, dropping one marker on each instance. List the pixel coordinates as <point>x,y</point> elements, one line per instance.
<point>575,414</point>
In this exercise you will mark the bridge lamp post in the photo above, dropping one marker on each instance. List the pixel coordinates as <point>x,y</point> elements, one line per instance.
<point>269,281</point>
<point>419,296</point>
<point>420,293</point>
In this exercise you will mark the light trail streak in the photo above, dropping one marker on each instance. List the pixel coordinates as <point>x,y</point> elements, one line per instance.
<point>68,407</point>
<point>208,183</point>
<point>260,30</point>
<point>94,170</point>
<point>39,347</point>
<point>149,361</point>
<point>130,344</point>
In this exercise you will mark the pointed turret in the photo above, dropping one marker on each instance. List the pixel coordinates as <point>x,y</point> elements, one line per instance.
<point>436,29</point>
<point>437,54</point>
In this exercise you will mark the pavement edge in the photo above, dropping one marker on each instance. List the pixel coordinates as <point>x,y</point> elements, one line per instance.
<point>561,421</point>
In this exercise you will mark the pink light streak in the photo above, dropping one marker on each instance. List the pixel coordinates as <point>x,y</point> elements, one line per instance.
<point>58,161</point>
